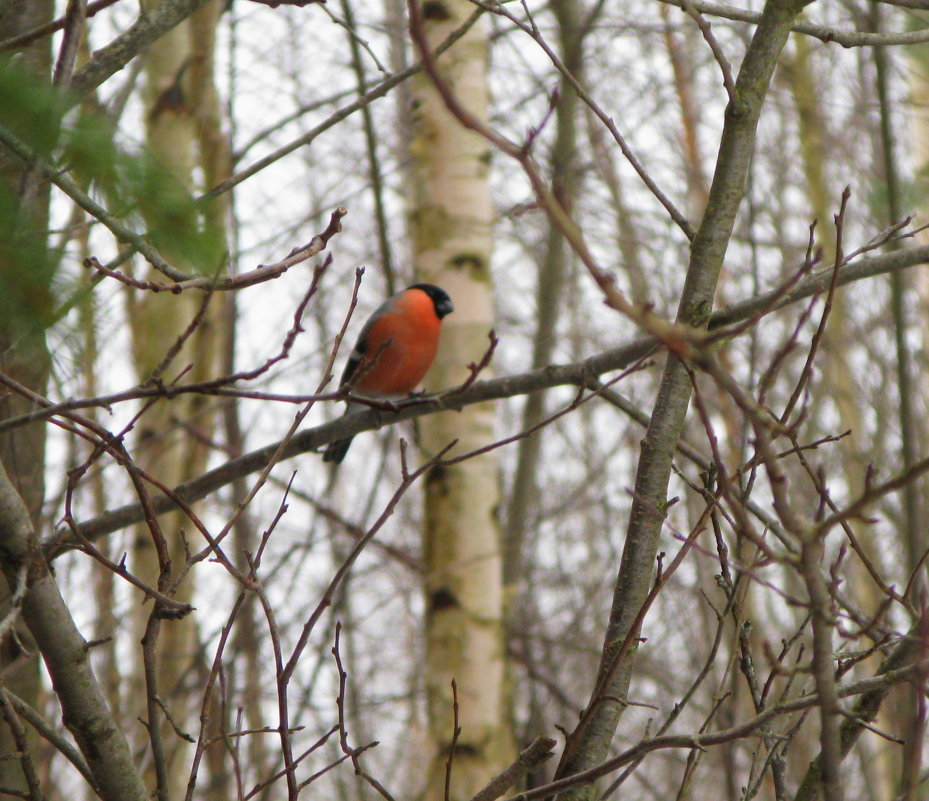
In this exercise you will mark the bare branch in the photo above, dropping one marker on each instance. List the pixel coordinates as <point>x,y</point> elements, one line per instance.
<point>578,374</point>
<point>149,27</point>
<point>824,33</point>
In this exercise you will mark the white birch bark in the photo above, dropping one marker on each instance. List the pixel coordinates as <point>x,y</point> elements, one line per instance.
<point>451,221</point>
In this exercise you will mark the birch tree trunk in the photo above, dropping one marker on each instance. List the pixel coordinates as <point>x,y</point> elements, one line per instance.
<point>452,244</point>
<point>182,133</point>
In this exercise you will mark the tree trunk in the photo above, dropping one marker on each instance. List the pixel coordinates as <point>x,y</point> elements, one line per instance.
<point>23,356</point>
<point>523,620</point>
<point>452,243</point>
<point>182,134</point>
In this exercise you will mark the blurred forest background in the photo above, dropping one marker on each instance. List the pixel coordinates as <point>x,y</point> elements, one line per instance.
<point>663,532</point>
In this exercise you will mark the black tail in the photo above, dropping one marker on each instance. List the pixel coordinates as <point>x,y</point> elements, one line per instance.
<point>335,451</point>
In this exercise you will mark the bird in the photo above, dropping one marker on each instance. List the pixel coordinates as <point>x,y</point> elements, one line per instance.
<point>394,350</point>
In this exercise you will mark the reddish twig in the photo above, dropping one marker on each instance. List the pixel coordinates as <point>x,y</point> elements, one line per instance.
<point>807,371</point>
<point>258,275</point>
<point>352,753</point>
<point>456,732</point>
<point>474,370</point>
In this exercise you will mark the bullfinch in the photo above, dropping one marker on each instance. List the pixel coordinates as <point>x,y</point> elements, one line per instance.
<point>393,351</point>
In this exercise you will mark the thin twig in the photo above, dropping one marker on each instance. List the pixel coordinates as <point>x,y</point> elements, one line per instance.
<point>724,65</point>
<point>456,732</point>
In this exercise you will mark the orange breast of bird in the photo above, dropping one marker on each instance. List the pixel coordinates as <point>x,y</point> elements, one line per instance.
<point>399,347</point>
